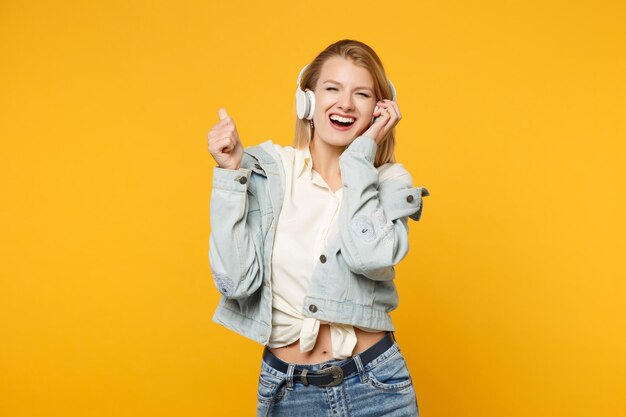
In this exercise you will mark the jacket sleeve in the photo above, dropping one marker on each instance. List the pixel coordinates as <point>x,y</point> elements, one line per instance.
<point>235,242</point>
<point>374,217</point>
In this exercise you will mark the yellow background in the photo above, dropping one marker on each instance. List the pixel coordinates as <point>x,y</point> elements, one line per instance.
<point>512,298</point>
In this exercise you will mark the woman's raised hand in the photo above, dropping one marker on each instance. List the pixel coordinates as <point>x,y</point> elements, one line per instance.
<point>224,144</point>
<point>389,113</point>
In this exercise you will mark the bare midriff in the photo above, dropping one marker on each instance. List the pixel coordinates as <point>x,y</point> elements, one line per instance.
<point>323,351</point>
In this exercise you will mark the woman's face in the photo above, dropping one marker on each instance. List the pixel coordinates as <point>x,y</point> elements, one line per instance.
<point>345,90</point>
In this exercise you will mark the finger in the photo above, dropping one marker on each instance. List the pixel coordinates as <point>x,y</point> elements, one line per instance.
<point>386,114</point>
<point>223,145</point>
<point>216,146</point>
<point>383,117</point>
<point>218,140</point>
<point>393,116</point>
<point>393,119</point>
<point>221,112</point>
<point>387,121</point>
<point>227,121</point>
<point>392,112</point>
<point>395,106</point>
<point>223,130</point>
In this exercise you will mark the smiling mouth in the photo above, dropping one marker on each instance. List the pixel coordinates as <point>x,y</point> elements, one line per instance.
<point>341,122</point>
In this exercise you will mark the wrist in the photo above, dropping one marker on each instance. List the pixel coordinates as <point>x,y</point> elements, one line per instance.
<point>364,145</point>
<point>232,168</point>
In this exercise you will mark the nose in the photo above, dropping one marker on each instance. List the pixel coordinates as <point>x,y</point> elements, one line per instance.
<point>345,101</point>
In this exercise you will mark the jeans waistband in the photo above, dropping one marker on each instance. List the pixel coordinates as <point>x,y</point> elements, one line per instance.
<point>332,372</point>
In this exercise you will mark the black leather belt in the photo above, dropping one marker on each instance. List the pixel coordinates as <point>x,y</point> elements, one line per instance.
<point>332,375</point>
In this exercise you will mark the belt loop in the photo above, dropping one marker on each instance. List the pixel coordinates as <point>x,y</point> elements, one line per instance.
<point>359,366</point>
<point>290,370</point>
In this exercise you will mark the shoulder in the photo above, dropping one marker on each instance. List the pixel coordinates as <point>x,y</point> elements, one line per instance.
<point>283,151</point>
<point>395,171</point>
<point>287,155</point>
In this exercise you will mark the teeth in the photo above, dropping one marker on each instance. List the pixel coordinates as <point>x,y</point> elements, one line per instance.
<point>341,119</point>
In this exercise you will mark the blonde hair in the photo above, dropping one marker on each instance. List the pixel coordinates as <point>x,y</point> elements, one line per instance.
<point>361,55</point>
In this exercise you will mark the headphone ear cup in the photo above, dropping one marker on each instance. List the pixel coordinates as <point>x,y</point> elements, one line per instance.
<point>311,104</point>
<point>302,105</point>
<point>374,118</point>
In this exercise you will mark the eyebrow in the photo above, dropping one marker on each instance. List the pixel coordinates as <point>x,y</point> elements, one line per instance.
<point>358,88</point>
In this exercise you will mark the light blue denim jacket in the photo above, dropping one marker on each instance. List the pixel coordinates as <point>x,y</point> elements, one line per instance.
<point>352,281</point>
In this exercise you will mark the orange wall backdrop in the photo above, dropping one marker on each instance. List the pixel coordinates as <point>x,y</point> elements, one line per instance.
<point>512,298</point>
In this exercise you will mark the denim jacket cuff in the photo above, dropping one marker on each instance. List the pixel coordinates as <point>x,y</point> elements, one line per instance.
<point>364,145</point>
<point>231,179</point>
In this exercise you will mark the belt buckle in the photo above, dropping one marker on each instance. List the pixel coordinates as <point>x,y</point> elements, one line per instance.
<point>336,372</point>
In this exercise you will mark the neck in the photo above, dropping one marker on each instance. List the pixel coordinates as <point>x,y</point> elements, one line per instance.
<point>326,158</point>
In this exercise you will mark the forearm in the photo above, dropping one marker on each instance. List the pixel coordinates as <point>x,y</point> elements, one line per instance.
<point>372,242</point>
<point>235,249</point>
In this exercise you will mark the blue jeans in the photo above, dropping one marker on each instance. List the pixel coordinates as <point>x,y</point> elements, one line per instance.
<point>382,387</point>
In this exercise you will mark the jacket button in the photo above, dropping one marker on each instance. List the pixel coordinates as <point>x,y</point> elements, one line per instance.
<point>323,259</point>
<point>257,166</point>
<point>409,198</point>
<point>242,180</point>
<point>312,308</point>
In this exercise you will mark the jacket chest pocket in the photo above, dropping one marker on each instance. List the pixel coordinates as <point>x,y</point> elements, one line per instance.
<point>333,280</point>
<point>330,280</point>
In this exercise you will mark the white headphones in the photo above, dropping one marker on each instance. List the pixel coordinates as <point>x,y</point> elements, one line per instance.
<point>305,100</point>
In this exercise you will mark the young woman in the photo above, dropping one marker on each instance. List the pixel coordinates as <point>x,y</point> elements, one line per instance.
<point>304,241</point>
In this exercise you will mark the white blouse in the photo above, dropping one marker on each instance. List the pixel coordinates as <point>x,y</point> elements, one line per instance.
<point>307,222</point>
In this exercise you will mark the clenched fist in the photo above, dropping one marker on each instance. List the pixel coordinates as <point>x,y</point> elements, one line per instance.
<point>224,144</point>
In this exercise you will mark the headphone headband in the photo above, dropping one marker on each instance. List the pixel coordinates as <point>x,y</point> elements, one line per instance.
<point>300,76</point>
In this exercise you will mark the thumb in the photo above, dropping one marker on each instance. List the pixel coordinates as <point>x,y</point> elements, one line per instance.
<point>222,113</point>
